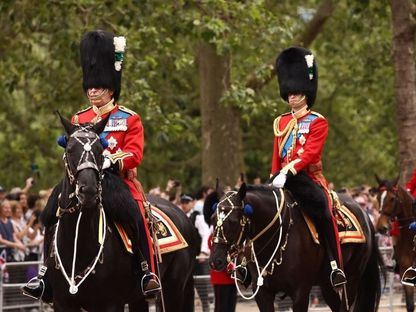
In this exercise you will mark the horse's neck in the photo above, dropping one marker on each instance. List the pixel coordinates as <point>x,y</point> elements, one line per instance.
<point>406,203</point>
<point>270,214</point>
<point>86,232</point>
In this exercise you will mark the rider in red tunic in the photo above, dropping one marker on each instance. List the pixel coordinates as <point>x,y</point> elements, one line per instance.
<point>299,140</point>
<point>411,185</point>
<point>102,56</point>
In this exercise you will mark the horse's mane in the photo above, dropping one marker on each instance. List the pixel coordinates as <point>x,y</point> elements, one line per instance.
<point>211,199</point>
<point>260,188</point>
<point>116,199</point>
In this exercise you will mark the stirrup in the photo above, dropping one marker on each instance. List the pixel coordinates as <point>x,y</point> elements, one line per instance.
<point>239,274</point>
<point>409,280</point>
<point>337,278</point>
<point>34,288</point>
<point>154,283</point>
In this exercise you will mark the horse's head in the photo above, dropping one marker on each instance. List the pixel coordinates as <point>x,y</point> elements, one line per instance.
<point>230,228</point>
<point>83,160</point>
<point>390,199</point>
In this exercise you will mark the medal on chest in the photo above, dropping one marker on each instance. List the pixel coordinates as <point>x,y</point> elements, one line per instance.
<point>304,126</point>
<point>116,124</point>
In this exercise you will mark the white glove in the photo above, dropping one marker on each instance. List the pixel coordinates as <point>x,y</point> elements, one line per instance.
<point>280,180</point>
<point>106,163</point>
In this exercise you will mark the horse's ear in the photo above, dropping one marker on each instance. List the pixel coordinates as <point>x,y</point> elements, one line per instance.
<point>242,191</point>
<point>98,128</point>
<point>396,181</point>
<point>68,126</point>
<point>377,178</point>
<point>217,186</point>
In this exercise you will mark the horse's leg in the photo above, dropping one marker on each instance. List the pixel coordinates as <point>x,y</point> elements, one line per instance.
<point>265,300</point>
<point>408,292</point>
<point>139,305</point>
<point>331,297</point>
<point>65,306</point>
<point>301,299</point>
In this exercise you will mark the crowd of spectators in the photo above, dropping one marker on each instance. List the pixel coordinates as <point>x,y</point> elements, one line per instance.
<point>21,232</point>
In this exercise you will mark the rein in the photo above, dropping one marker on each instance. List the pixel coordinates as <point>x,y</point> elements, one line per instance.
<point>261,272</point>
<point>87,161</point>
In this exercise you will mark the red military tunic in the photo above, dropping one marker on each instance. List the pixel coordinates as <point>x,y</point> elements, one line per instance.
<point>411,185</point>
<point>125,136</point>
<point>303,153</point>
<point>124,133</point>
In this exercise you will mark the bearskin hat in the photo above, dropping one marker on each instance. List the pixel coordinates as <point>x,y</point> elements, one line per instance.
<point>101,63</point>
<point>297,73</point>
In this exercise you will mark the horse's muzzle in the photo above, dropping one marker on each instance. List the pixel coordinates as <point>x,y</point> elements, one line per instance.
<point>87,194</point>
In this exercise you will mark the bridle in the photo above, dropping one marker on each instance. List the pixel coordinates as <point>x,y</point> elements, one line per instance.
<point>396,204</point>
<point>236,248</point>
<point>219,235</point>
<point>383,194</point>
<point>87,138</point>
<point>87,160</point>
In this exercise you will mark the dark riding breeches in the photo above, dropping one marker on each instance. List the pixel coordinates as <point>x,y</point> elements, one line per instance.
<point>313,199</point>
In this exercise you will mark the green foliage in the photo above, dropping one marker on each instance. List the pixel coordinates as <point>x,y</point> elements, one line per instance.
<point>40,73</point>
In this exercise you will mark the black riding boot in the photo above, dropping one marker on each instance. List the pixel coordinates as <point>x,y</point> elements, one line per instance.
<point>337,276</point>
<point>39,287</point>
<point>149,282</point>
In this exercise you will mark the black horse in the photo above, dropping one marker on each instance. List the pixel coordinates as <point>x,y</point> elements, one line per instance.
<point>396,204</point>
<point>279,246</point>
<point>88,267</point>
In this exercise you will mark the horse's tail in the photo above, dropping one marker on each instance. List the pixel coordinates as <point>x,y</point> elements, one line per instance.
<point>369,288</point>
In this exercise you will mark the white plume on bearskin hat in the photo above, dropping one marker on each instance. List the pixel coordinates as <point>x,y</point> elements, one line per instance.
<point>297,73</point>
<point>102,56</point>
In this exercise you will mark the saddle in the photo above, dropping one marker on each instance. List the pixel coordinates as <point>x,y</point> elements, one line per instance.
<point>349,229</point>
<point>168,236</point>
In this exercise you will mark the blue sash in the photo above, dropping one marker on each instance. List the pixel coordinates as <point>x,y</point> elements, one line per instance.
<point>303,127</point>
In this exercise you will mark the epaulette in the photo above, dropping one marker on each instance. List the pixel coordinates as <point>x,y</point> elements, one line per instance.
<point>276,130</point>
<point>276,126</point>
<point>317,114</point>
<point>75,118</point>
<point>126,110</point>
<point>83,110</point>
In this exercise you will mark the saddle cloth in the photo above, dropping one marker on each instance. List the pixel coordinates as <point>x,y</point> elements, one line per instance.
<point>168,236</point>
<point>349,229</point>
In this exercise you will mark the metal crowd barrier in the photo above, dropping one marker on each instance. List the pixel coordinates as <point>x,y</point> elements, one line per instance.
<point>11,298</point>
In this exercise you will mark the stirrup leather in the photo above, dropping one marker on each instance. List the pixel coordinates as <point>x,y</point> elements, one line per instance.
<point>409,277</point>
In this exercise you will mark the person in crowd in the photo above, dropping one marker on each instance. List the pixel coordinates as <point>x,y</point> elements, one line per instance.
<point>257,180</point>
<point>300,136</point>
<point>102,56</point>
<point>187,204</point>
<point>8,236</point>
<point>3,193</point>
<point>200,196</point>
<point>174,191</point>
<point>411,184</point>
